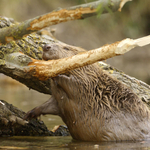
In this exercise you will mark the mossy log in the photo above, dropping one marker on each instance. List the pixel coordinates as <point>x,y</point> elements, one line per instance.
<point>12,123</point>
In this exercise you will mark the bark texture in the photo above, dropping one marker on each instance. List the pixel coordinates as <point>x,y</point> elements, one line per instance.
<point>12,60</point>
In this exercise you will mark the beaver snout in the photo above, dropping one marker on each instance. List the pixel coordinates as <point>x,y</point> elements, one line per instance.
<point>46,47</point>
<point>50,51</point>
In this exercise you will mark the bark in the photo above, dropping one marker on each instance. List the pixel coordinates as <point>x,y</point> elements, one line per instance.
<point>21,30</point>
<point>30,46</point>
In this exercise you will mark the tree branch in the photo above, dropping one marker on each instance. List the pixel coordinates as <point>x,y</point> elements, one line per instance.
<point>18,31</point>
<point>28,70</point>
<point>47,69</point>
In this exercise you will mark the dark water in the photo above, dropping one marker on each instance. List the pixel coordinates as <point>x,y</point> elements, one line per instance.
<point>26,99</point>
<point>66,143</point>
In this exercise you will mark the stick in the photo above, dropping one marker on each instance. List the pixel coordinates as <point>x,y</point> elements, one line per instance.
<point>46,69</point>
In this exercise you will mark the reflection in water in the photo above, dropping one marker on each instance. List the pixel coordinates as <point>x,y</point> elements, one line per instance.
<point>66,143</point>
<point>26,99</point>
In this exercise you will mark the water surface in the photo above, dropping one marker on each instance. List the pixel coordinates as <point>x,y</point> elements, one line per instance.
<point>66,143</point>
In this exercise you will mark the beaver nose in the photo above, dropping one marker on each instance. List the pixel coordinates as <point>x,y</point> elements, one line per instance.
<point>46,47</point>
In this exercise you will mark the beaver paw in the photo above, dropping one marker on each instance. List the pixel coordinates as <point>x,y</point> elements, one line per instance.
<point>34,113</point>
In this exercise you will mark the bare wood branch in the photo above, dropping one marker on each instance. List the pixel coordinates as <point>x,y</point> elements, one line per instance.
<point>46,69</point>
<point>20,30</point>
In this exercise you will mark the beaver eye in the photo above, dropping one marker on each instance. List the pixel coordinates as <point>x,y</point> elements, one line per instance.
<point>66,48</point>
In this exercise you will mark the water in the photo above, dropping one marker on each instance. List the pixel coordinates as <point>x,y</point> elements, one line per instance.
<point>66,143</point>
<point>26,99</point>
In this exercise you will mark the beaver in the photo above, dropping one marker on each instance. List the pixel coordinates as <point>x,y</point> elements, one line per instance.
<point>94,105</point>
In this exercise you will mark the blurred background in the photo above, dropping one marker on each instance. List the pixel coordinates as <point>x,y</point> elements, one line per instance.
<point>132,22</point>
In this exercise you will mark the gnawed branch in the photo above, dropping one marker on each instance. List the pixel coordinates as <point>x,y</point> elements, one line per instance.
<point>18,31</point>
<point>32,69</point>
<point>46,69</point>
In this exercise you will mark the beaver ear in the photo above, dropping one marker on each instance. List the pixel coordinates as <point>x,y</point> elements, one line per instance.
<point>66,48</point>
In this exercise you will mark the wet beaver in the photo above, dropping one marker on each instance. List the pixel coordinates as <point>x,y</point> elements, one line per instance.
<point>94,105</point>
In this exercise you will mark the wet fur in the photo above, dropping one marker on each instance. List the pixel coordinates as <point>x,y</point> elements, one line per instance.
<point>94,105</point>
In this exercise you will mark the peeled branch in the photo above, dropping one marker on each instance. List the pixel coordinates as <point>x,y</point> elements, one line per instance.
<point>46,69</point>
<point>18,31</point>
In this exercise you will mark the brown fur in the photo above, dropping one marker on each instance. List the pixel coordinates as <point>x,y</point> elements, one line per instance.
<point>94,105</point>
